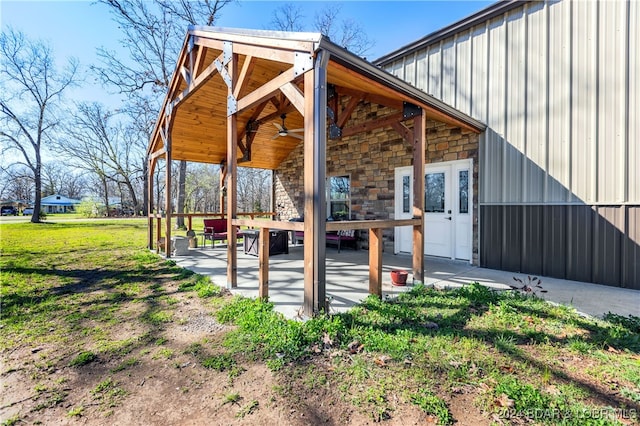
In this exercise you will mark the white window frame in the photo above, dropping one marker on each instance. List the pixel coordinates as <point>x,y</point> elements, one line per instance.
<point>340,200</point>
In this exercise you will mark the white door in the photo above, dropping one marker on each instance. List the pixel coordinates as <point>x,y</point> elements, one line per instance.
<point>438,220</point>
<point>404,209</point>
<point>448,209</point>
<point>461,178</point>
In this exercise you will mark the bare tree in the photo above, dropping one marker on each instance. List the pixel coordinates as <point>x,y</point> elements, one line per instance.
<point>98,145</point>
<point>288,17</point>
<point>17,183</point>
<point>254,192</point>
<point>203,188</point>
<point>53,177</point>
<point>59,178</point>
<point>30,89</point>
<point>345,32</point>
<point>153,32</point>
<point>75,185</point>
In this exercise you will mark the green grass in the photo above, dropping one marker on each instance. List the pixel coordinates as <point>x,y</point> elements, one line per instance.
<point>83,358</point>
<point>433,405</point>
<point>76,286</point>
<point>504,344</point>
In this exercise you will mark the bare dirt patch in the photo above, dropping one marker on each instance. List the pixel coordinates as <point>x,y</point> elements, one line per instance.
<point>153,374</point>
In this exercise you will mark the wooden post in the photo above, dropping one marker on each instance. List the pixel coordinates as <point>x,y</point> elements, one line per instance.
<point>419,148</point>
<point>232,173</point>
<point>158,231</point>
<point>223,182</point>
<point>375,261</point>
<point>315,146</point>
<point>263,255</point>
<point>167,201</point>
<point>151,243</point>
<point>190,222</point>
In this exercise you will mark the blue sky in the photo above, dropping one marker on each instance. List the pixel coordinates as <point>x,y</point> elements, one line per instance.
<point>77,28</point>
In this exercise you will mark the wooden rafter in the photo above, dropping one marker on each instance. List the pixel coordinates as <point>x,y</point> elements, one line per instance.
<point>253,122</point>
<point>348,110</point>
<point>198,82</point>
<point>267,90</point>
<point>294,95</point>
<point>371,97</point>
<point>372,125</point>
<point>276,114</point>
<point>287,57</point>
<point>406,134</point>
<point>199,61</point>
<point>243,77</point>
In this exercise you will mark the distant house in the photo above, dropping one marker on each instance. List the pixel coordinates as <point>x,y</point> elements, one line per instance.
<point>57,203</point>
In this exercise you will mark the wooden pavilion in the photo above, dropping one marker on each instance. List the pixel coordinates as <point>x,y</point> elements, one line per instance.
<point>230,83</point>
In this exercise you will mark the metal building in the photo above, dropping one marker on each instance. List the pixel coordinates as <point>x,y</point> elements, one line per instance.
<point>556,82</point>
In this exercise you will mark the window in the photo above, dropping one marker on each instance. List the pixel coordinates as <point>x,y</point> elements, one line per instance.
<point>463,184</point>
<point>339,197</point>
<point>434,194</point>
<point>406,196</point>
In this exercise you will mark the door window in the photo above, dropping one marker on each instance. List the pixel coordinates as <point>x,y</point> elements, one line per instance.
<point>434,193</point>
<point>406,196</point>
<point>463,191</point>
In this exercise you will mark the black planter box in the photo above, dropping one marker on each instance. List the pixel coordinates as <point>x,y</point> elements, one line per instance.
<point>278,242</point>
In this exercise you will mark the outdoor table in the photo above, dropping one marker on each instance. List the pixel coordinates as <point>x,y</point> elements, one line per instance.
<point>278,241</point>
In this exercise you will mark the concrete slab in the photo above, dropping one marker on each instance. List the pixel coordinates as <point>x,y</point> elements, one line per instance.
<point>347,280</point>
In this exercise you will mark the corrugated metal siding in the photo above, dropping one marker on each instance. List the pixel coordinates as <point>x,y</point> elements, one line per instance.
<point>559,101</point>
<point>633,123</point>
<point>434,75</point>
<point>535,154</point>
<point>584,106</point>
<point>463,74</point>
<point>557,81</point>
<point>479,73</point>
<point>611,100</point>
<point>595,244</point>
<point>631,248</point>
<point>422,69</point>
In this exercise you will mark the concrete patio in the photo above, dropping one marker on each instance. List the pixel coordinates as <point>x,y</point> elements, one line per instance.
<point>347,280</point>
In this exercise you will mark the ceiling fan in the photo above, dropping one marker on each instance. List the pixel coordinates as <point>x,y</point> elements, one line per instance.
<point>283,131</point>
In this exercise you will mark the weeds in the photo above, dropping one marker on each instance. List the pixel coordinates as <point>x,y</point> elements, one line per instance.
<point>200,284</point>
<point>247,409</point>
<point>220,363</point>
<point>231,398</point>
<point>431,404</point>
<point>83,358</point>
<point>529,286</point>
<point>76,411</point>
<point>13,420</point>
<point>131,362</point>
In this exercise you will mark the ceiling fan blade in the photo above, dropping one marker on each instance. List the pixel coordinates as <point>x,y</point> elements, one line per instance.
<point>296,130</point>
<point>296,135</point>
<point>279,127</point>
<point>275,136</point>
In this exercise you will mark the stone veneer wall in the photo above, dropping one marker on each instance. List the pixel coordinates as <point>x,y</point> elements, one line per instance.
<point>370,159</point>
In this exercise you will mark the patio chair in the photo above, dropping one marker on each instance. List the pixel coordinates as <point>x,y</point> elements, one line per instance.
<point>216,230</point>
